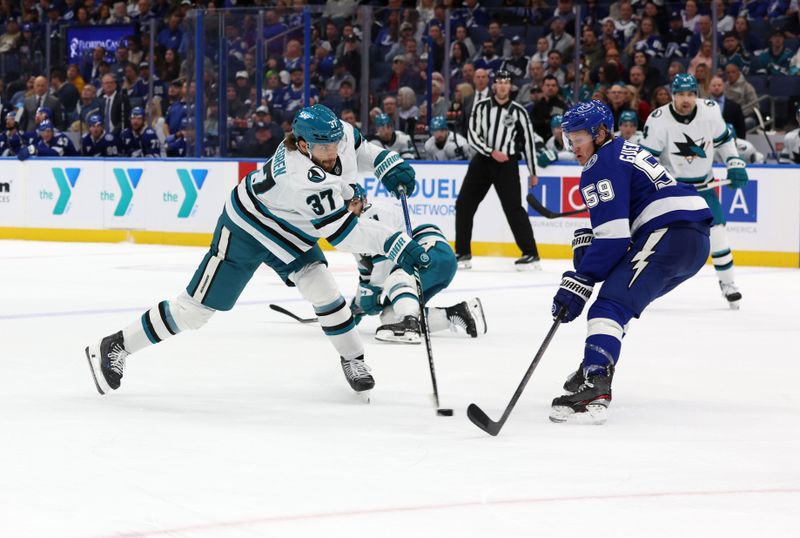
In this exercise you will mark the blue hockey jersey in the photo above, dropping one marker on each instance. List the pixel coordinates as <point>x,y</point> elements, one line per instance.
<point>108,145</point>
<point>144,144</point>
<point>629,194</point>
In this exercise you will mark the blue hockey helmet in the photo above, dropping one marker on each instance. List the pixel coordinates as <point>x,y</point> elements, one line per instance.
<point>44,126</point>
<point>317,125</point>
<point>383,119</point>
<point>684,82</point>
<point>137,112</point>
<point>629,116</point>
<point>587,116</point>
<point>438,123</point>
<point>731,129</point>
<point>556,120</point>
<point>95,119</point>
<point>45,110</point>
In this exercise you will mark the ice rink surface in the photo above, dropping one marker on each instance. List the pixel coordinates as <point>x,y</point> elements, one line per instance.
<point>247,427</point>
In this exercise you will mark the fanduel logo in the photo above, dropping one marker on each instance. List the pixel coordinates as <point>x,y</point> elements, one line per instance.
<point>127,183</point>
<point>65,179</point>
<point>191,181</point>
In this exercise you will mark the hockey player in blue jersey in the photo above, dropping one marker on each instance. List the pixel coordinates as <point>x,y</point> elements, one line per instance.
<point>50,143</point>
<point>176,144</point>
<point>97,142</point>
<point>138,140</point>
<point>275,216</point>
<point>649,233</point>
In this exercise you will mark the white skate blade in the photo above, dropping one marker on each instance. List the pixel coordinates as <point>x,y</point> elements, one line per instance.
<point>465,265</point>
<point>734,305</point>
<point>389,336</point>
<point>595,414</point>
<point>477,312</point>
<point>364,396</point>
<point>535,266</point>
<point>93,356</point>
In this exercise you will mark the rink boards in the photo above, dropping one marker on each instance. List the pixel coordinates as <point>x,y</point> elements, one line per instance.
<point>178,201</point>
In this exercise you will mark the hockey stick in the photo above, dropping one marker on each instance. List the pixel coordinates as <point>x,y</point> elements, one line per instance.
<point>282,310</point>
<point>546,213</point>
<point>760,119</point>
<point>481,419</point>
<point>423,320</point>
<point>714,185</point>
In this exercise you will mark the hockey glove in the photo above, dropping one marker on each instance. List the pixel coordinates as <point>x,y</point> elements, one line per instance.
<point>406,252</point>
<point>393,171</point>
<point>546,157</point>
<point>572,294</point>
<point>356,311</point>
<point>737,173</point>
<point>26,152</point>
<point>582,239</point>
<point>368,299</point>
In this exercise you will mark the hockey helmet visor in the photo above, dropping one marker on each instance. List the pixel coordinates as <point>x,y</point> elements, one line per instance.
<point>589,116</point>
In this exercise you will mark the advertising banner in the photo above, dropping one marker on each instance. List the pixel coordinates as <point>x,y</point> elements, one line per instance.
<point>81,40</point>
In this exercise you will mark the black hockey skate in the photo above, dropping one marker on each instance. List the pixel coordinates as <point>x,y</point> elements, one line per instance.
<point>405,332</point>
<point>574,380</point>
<point>528,263</point>
<point>357,374</point>
<point>588,404</point>
<point>107,361</point>
<point>731,294</point>
<point>464,261</point>
<point>468,315</point>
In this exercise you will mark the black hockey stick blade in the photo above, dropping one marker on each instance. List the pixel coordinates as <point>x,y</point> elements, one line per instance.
<point>292,315</point>
<point>546,213</point>
<point>482,420</point>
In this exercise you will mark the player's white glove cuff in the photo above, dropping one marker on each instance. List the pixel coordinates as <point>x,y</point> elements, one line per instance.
<point>735,162</point>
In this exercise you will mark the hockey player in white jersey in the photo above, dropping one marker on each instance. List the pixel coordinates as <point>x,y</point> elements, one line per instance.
<point>275,216</point>
<point>385,289</point>
<point>555,144</point>
<point>791,143</point>
<point>390,139</point>
<point>684,135</point>
<point>629,127</point>
<point>446,145</point>
<point>746,150</point>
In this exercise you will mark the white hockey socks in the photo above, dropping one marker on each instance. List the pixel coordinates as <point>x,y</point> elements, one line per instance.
<point>721,255</point>
<point>166,319</point>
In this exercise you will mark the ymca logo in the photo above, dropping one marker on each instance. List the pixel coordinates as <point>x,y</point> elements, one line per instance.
<point>127,184</point>
<point>191,181</point>
<point>66,178</point>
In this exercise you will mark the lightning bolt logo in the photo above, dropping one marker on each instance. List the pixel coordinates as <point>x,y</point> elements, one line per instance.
<point>640,259</point>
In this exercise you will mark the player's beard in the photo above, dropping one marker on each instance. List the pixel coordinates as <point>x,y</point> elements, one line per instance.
<point>327,165</point>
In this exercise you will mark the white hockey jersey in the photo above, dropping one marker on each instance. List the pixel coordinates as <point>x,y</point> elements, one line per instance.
<point>400,142</point>
<point>561,152</point>
<point>455,148</point>
<point>685,145</point>
<point>747,152</point>
<point>290,202</point>
<point>636,138</point>
<point>791,146</point>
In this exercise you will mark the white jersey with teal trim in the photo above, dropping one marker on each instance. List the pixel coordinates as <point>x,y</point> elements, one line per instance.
<point>685,145</point>
<point>455,148</point>
<point>400,142</point>
<point>290,202</point>
<point>374,269</point>
<point>636,138</point>
<point>791,146</point>
<point>747,152</point>
<point>561,152</point>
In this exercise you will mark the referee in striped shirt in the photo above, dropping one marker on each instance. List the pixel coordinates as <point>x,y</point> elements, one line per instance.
<point>500,131</point>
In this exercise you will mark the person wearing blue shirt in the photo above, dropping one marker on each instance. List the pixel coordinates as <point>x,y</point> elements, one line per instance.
<point>50,143</point>
<point>97,142</point>
<point>178,108</point>
<point>649,234</point>
<point>289,101</point>
<point>176,144</point>
<point>138,140</point>
<point>171,36</point>
<point>144,80</point>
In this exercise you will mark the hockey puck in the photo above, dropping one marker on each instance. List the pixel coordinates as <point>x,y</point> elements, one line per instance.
<point>444,412</point>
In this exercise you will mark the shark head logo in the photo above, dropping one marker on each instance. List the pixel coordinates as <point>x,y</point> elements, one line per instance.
<point>66,178</point>
<point>690,149</point>
<point>191,181</point>
<point>127,184</point>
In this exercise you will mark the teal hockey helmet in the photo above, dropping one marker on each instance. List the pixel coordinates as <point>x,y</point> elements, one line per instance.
<point>556,120</point>
<point>629,116</point>
<point>382,120</point>
<point>438,123</point>
<point>684,82</point>
<point>317,125</point>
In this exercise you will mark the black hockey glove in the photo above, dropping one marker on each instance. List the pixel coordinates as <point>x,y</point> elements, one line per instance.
<point>572,294</point>
<point>581,240</point>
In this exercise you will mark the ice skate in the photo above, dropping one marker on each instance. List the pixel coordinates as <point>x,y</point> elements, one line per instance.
<point>574,380</point>
<point>587,405</point>
<point>357,374</point>
<point>464,261</point>
<point>107,362</point>
<point>528,263</point>
<point>731,294</point>
<point>405,332</point>
<point>467,316</point>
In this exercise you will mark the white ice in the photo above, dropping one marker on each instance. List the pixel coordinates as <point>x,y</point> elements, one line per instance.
<point>247,428</point>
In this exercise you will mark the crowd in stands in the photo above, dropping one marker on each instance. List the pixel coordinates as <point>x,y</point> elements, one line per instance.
<point>127,103</point>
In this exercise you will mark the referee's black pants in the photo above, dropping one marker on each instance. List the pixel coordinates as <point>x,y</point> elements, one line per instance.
<point>483,172</point>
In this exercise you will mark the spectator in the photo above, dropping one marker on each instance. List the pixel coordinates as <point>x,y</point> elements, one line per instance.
<point>652,75</point>
<point>634,103</point>
<point>517,62</point>
<point>83,17</point>
<point>535,80</point>
<point>609,35</point>
<point>351,57</point>
<point>739,90</point>
<point>646,40</point>
<point>323,60</point>
<point>343,98</point>
<point>673,69</point>
<point>74,77</point>
<point>489,60</point>
<point>172,36</point>
<point>705,33</point>
<point>401,76</point>
<point>626,23</point>
<point>332,35</point>
<point>133,86</point>
<point>102,14</point>
<point>639,81</point>
<point>41,98</point>
<point>565,10</point>
<point>458,57</point>
<point>549,105</point>
<point>438,48</point>
<point>340,75</point>
<point>502,45</point>
<point>64,91</point>
<point>462,37</point>
<point>677,38</point>
<point>293,57</point>
<point>144,77</point>
<point>169,68</point>
<point>749,41</point>
<point>407,110</point>
<point>88,105</point>
<point>703,75</point>
<point>120,61</point>
<point>732,52</point>
<point>590,48</point>
<point>725,21</point>
<point>177,144</point>
<point>618,101</point>
<point>91,70</point>
<point>135,52</point>
<point>776,60</point>
<point>794,65</point>
<point>390,109</point>
<point>473,14</point>
<point>9,41</point>
<point>554,67</point>
<point>661,97</point>
<point>690,16</point>
<point>468,74</point>
<point>482,91</point>
<point>400,47</point>
<point>455,113</point>
<point>264,143</point>
<point>558,39</point>
<point>542,48</point>
<point>348,116</point>
<point>98,143</point>
<point>119,15</point>
<point>115,104</point>
<point>703,57</point>
<point>288,102</point>
<point>731,111</point>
